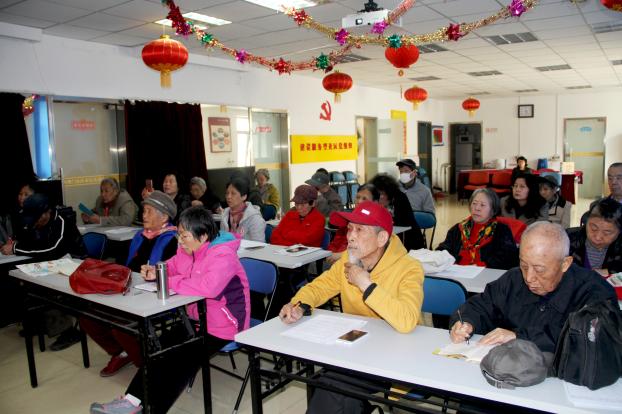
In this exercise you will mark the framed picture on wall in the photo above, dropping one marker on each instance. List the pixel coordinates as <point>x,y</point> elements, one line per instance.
<point>220,134</point>
<point>437,136</point>
<point>525,111</point>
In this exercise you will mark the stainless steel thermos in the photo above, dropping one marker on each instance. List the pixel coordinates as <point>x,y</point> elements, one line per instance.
<point>162,280</point>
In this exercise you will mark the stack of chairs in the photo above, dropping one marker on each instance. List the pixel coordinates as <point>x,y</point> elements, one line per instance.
<point>338,183</point>
<point>353,188</point>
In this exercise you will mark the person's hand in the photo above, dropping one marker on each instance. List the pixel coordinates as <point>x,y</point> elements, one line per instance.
<point>602,272</point>
<point>357,276</point>
<point>219,210</point>
<point>94,219</point>
<point>145,193</point>
<point>497,337</point>
<point>290,313</point>
<point>148,272</point>
<point>7,248</point>
<point>333,258</point>
<point>195,203</point>
<point>460,332</point>
<point>85,218</point>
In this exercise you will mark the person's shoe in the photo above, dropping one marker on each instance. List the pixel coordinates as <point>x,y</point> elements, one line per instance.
<point>118,406</point>
<point>66,339</point>
<point>114,365</point>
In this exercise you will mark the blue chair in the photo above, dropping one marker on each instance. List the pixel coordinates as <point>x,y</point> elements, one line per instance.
<point>426,220</point>
<point>95,244</point>
<point>268,211</point>
<point>268,232</point>
<point>326,239</point>
<point>442,296</point>
<point>422,174</point>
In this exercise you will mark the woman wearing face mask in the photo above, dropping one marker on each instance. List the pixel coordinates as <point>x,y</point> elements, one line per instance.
<point>559,207</point>
<point>419,196</point>
<point>480,239</point>
<point>525,202</point>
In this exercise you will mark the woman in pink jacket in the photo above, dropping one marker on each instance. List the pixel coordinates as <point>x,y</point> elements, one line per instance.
<point>206,264</point>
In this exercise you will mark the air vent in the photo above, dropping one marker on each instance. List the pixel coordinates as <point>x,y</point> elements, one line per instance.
<point>579,87</point>
<point>507,39</point>
<point>424,78</point>
<point>526,90</point>
<point>350,58</point>
<point>431,48</point>
<point>606,27</point>
<point>477,93</point>
<point>485,73</point>
<point>616,62</point>
<point>553,67</point>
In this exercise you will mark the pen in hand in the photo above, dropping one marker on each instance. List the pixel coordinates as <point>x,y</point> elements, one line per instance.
<point>462,324</point>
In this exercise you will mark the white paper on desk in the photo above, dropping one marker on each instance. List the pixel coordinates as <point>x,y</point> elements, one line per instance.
<point>471,352</point>
<point>152,287</point>
<point>323,329</point>
<point>606,398</point>
<point>121,230</point>
<point>65,265</point>
<point>459,271</point>
<point>245,244</point>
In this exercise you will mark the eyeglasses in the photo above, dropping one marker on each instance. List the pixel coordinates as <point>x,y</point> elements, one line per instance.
<point>181,237</point>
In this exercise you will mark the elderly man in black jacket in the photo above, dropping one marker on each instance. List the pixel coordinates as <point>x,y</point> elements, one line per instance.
<point>534,300</point>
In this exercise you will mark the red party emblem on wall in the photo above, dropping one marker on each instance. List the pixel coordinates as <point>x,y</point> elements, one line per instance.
<point>326,111</point>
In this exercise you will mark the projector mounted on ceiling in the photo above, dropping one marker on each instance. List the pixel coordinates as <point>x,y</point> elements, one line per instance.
<point>368,16</point>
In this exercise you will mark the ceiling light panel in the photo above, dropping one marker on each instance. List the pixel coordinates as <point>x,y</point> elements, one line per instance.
<point>279,4</point>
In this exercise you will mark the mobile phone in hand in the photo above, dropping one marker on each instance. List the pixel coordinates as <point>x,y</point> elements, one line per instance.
<point>149,184</point>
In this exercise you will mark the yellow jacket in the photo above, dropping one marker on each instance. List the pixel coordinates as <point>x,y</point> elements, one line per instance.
<point>397,297</point>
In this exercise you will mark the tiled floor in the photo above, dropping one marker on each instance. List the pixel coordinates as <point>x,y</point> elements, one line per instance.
<point>66,387</point>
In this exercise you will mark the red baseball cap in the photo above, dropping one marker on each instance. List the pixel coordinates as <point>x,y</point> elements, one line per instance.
<point>370,213</point>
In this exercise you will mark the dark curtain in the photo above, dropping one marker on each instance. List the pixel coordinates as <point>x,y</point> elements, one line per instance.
<point>16,159</point>
<point>162,138</point>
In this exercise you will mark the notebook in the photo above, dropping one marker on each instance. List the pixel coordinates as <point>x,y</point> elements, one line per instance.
<point>472,352</point>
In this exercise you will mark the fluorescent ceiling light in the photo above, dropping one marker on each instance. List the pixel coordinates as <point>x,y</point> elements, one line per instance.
<point>279,4</point>
<point>195,18</point>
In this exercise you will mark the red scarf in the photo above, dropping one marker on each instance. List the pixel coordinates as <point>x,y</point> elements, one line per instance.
<point>475,236</point>
<point>152,234</point>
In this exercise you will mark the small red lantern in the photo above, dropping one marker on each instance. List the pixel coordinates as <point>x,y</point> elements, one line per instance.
<point>402,57</point>
<point>165,55</point>
<point>612,4</point>
<point>471,105</point>
<point>337,83</point>
<point>416,95</point>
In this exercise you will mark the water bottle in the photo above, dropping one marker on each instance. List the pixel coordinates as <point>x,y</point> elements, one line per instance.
<point>162,280</point>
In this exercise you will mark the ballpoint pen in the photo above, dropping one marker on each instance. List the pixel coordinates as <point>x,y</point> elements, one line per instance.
<point>462,324</point>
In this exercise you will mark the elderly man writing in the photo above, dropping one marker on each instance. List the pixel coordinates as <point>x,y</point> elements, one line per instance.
<point>534,300</point>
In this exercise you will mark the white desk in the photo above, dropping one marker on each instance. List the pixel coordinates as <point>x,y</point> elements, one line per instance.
<point>12,258</point>
<point>116,233</point>
<point>478,283</point>
<point>268,253</point>
<point>403,358</point>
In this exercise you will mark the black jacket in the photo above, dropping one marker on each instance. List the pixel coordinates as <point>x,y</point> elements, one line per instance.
<point>58,237</point>
<point>508,303</point>
<point>500,253</point>
<point>404,216</point>
<point>613,258</point>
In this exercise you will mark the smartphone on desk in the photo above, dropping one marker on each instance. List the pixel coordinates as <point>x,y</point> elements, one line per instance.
<point>296,249</point>
<point>351,337</point>
<point>254,247</point>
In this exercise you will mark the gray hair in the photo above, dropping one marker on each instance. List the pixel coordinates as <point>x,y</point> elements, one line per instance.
<point>556,235</point>
<point>493,199</point>
<point>264,172</point>
<point>111,182</point>
<point>198,181</point>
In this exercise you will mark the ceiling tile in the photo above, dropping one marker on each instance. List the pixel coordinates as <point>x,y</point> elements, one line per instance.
<point>36,9</point>
<point>464,7</point>
<point>121,40</point>
<point>547,11</point>
<point>92,5</point>
<point>102,21</point>
<point>142,10</point>
<point>555,23</point>
<point>25,21</point>
<point>73,32</point>
<point>233,31</point>
<point>237,11</point>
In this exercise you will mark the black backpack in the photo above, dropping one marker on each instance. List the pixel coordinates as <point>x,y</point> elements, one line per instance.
<point>589,348</point>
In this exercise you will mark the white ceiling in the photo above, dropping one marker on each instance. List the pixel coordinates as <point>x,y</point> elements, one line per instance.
<point>563,30</point>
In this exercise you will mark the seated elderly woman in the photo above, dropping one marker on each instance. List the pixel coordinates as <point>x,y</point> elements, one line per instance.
<point>598,244</point>
<point>113,207</point>
<point>155,243</point>
<point>303,224</point>
<point>170,187</point>
<point>241,216</point>
<point>203,196</point>
<point>525,203</point>
<point>269,193</point>
<point>559,208</point>
<point>480,239</point>
<point>207,265</point>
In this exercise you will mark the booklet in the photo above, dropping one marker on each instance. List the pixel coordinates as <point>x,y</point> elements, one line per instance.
<point>152,287</point>
<point>473,352</point>
<point>297,250</point>
<point>64,266</point>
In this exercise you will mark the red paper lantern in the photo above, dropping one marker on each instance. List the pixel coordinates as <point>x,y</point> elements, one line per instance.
<point>165,55</point>
<point>471,105</point>
<point>416,95</point>
<point>612,4</point>
<point>402,57</point>
<point>337,83</point>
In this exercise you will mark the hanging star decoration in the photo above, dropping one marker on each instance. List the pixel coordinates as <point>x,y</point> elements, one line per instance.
<point>341,36</point>
<point>241,55</point>
<point>453,32</point>
<point>300,17</point>
<point>517,8</point>
<point>207,39</point>
<point>283,67</point>
<point>395,41</point>
<point>379,27</point>
<point>322,62</point>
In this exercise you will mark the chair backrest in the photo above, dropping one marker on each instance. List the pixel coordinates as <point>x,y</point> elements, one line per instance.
<point>354,188</point>
<point>325,239</point>
<point>350,177</point>
<point>425,219</point>
<point>558,176</point>
<point>262,277</point>
<point>268,211</point>
<point>442,296</point>
<point>501,179</point>
<point>516,226</point>
<point>478,177</point>
<point>342,190</point>
<point>95,244</point>
<point>336,177</point>
<point>268,232</point>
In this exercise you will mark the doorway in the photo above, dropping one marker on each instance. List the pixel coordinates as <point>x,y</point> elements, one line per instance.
<point>465,149</point>
<point>424,147</point>
<point>585,146</point>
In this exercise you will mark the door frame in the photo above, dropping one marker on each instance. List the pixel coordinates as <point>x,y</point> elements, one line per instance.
<point>364,140</point>
<point>604,187</point>
<point>431,147</point>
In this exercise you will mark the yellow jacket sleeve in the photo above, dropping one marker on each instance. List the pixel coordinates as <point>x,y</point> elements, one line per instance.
<point>322,288</point>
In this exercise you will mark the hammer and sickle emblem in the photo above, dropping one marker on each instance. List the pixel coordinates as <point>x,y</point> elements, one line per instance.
<point>326,111</point>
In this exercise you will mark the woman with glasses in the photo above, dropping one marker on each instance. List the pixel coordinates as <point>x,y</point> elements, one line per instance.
<point>525,203</point>
<point>480,239</point>
<point>206,264</point>
<point>559,207</point>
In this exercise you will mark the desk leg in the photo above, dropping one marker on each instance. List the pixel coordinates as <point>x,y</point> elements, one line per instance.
<point>309,370</point>
<point>254,363</point>
<point>31,358</point>
<point>205,368</point>
<point>85,350</point>
<point>146,368</point>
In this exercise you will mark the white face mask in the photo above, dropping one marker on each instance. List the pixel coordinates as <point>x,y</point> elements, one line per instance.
<point>405,178</point>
